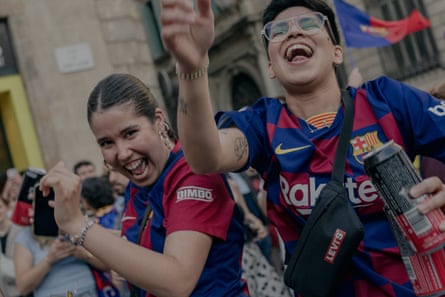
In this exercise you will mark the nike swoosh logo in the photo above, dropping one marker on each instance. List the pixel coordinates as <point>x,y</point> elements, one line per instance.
<point>280,151</point>
<point>127,219</point>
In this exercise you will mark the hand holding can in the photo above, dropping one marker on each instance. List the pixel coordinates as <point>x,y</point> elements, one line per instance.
<point>393,174</point>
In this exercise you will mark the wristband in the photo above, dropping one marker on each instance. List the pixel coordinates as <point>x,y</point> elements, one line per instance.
<point>192,75</point>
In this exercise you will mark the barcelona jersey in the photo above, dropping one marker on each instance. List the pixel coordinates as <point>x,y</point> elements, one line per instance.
<point>296,160</point>
<point>182,200</point>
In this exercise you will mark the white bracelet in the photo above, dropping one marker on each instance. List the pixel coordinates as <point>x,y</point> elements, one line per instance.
<point>193,75</point>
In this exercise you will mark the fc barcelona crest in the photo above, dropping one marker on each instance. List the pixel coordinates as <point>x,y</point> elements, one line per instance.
<point>361,145</point>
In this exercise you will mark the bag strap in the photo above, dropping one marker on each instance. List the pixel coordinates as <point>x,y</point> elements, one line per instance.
<point>338,170</point>
<point>144,222</point>
<point>173,155</point>
<point>136,291</point>
<point>345,135</point>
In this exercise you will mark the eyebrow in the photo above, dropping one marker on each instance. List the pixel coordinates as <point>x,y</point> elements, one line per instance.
<point>123,131</point>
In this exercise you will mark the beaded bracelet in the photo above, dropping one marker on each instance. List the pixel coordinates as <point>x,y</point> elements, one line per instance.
<point>79,239</point>
<point>193,75</point>
<point>86,226</point>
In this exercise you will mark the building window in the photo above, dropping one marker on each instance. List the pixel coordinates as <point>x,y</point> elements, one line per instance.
<point>152,20</point>
<point>152,12</point>
<point>8,64</point>
<point>5,155</point>
<point>244,91</point>
<point>417,52</point>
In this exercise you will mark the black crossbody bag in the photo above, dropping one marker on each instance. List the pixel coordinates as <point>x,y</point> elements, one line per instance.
<point>332,232</point>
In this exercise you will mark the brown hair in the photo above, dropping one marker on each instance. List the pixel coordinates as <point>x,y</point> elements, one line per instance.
<point>119,89</point>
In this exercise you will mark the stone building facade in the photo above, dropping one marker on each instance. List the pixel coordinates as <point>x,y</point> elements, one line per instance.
<point>62,48</point>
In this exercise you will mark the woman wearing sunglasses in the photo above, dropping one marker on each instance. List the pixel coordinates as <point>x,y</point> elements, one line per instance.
<point>292,142</point>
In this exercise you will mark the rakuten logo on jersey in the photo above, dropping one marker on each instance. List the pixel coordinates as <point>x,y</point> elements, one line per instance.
<point>194,193</point>
<point>303,196</point>
<point>438,110</point>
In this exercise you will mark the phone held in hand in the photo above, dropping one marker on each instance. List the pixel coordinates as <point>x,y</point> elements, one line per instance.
<point>31,177</point>
<point>44,222</point>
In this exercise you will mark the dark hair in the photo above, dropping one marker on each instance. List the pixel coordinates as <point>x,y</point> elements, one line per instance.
<point>275,7</point>
<point>81,164</point>
<point>97,191</point>
<point>118,89</point>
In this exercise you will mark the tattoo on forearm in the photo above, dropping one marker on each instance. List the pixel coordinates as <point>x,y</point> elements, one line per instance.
<point>240,148</point>
<point>182,105</point>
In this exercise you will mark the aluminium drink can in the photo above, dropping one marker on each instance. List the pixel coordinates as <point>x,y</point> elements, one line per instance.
<point>393,174</point>
<point>426,272</point>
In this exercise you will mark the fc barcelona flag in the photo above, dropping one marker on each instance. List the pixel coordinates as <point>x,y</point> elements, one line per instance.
<point>361,30</point>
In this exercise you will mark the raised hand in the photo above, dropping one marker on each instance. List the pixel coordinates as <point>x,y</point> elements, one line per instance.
<point>187,33</point>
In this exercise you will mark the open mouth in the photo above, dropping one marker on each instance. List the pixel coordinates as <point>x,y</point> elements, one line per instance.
<point>296,51</point>
<point>136,167</point>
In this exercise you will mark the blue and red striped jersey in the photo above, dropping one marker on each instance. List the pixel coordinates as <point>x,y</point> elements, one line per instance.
<point>183,200</point>
<point>295,160</point>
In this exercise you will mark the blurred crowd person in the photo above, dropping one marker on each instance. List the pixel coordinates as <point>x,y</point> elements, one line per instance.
<point>8,232</point>
<point>84,169</point>
<point>10,183</point>
<point>98,201</point>
<point>253,215</point>
<point>53,266</point>
<point>262,278</point>
<point>11,188</point>
<point>119,183</point>
<point>32,265</point>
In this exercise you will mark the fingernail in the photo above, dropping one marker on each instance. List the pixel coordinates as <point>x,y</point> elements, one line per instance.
<point>413,191</point>
<point>422,208</point>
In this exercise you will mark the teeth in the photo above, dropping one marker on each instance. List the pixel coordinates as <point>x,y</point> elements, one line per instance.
<point>300,49</point>
<point>133,165</point>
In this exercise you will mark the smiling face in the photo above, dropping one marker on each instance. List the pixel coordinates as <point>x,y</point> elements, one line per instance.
<point>131,143</point>
<point>302,58</point>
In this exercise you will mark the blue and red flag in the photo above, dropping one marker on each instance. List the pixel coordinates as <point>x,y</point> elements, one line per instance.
<point>361,30</point>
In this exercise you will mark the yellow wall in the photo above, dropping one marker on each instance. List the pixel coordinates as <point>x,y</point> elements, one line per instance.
<point>18,124</point>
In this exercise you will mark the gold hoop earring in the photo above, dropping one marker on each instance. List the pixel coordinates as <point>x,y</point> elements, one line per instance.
<point>167,127</point>
<point>165,140</point>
